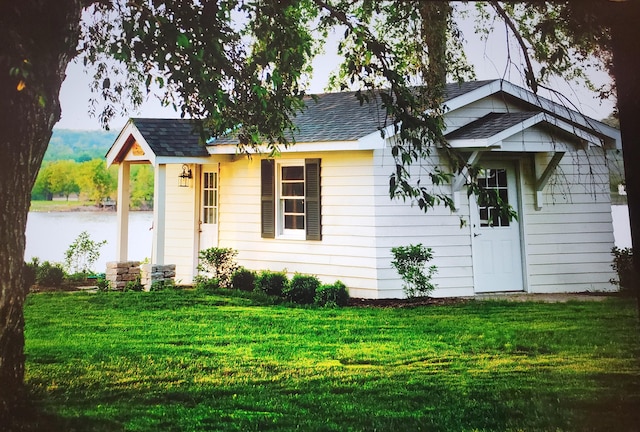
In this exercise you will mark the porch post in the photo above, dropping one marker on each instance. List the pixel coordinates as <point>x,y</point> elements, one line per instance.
<point>122,239</point>
<point>159,208</point>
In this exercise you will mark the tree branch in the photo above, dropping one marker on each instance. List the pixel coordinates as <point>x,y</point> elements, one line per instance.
<point>529,74</point>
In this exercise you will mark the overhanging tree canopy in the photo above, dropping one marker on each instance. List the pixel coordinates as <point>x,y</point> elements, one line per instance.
<point>242,64</point>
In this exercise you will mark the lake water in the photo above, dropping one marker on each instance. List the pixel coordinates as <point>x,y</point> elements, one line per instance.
<point>50,234</point>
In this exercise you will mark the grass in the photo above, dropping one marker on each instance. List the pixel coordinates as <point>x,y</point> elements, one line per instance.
<point>60,205</point>
<point>190,361</point>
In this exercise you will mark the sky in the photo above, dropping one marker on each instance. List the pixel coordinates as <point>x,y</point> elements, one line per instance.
<point>489,59</point>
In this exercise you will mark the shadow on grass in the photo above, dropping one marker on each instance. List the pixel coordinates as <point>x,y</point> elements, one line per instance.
<point>377,399</point>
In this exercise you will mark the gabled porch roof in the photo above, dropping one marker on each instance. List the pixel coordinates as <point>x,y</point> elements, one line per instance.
<point>494,131</point>
<point>157,141</point>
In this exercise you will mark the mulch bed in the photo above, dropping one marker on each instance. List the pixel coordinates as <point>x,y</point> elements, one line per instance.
<point>406,303</point>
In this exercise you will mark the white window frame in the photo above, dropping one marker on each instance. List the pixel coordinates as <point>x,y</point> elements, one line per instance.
<point>294,234</point>
<point>209,206</point>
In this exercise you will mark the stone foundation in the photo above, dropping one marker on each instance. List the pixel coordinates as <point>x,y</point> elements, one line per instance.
<point>153,273</point>
<point>120,273</point>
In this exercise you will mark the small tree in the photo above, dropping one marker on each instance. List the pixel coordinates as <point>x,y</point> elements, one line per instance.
<point>410,263</point>
<point>82,254</point>
<point>219,263</point>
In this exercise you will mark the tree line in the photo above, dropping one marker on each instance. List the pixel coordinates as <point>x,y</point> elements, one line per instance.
<point>91,181</point>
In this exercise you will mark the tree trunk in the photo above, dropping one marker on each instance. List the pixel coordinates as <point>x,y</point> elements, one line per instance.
<point>39,39</point>
<point>626,55</point>
<point>435,18</point>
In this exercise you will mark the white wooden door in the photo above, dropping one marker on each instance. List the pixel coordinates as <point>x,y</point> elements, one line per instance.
<point>209,207</point>
<point>497,253</point>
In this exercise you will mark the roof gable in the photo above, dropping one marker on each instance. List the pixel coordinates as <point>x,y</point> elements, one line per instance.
<point>156,138</point>
<point>171,137</point>
<point>499,130</point>
<point>609,137</point>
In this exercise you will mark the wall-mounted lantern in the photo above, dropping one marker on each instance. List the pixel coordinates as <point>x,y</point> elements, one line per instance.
<point>184,179</point>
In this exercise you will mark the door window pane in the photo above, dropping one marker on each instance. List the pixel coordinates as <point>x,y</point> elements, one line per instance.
<point>495,182</point>
<point>210,197</point>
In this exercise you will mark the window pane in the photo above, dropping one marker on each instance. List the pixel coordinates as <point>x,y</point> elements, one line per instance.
<point>484,216</point>
<point>293,206</point>
<point>503,195</point>
<point>293,173</point>
<point>502,177</point>
<point>491,178</point>
<point>293,222</point>
<point>293,189</point>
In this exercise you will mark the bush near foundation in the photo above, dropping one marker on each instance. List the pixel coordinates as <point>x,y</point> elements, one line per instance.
<point>243,279</point>
<point>218,263</point>
<point>302,289</point>
<point>272,283</point>
<point>332,295</point>
<point>623,265</point>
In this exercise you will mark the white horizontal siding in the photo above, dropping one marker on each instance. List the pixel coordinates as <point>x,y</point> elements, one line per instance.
<point>569,239</point>
<point>468,113</point>
<point>403,223</point>
<point>346,251</point>
<point>179,223</point>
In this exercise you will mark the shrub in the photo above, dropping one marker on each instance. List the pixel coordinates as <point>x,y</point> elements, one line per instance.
<point>162,285</point>
<point>302,289</point>
<point>623,265</point>
<point>218,263</point>
<point>102,285</point>
<point>332,295</point>
<point>243,279</point>
<point>82,254</point>
<point>51,275</point>
<point>134,285</point>
<point>272,283</point>
<point>410,262</point>
<point>29,276</point>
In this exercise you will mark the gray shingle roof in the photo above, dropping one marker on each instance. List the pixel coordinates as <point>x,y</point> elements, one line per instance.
<point>340,117</point>
<point>327,117</point>
<point>453,90</point>
<point>490,125</point>
<point>171,137</point>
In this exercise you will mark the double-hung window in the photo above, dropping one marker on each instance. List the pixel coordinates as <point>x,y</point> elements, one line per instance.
<point>290,199</point>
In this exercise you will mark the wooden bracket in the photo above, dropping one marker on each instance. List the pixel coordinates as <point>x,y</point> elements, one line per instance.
<point>460,179</point>
<point>543,179</point>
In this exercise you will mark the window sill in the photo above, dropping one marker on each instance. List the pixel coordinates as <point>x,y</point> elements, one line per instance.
<point>292,236</point>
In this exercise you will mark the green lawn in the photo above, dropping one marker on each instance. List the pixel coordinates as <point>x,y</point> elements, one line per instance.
<point>60,205</point>
<point>189,361</point>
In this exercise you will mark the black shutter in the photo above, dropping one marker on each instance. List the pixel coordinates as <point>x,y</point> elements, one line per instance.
<point>268,198</point>
<point>312,199</point>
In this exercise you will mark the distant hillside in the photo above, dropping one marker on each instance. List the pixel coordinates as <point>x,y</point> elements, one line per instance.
<point>79,145</point>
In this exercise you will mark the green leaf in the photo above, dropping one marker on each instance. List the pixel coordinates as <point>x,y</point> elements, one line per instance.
<point>183,41</point>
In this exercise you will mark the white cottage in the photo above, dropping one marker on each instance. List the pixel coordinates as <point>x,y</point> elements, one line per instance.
<point>322,207</point>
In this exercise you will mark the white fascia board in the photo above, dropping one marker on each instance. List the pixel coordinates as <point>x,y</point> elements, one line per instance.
<point>128,130</point>
<point>569,128</point>
<point>369,142</point>
<point>472,96</point>
<point>169,160</point>
<point>469,143</point>
<point>375,140</point>
<point>117,145</point>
